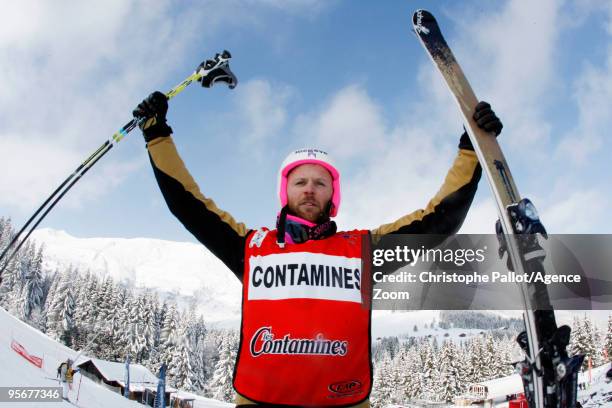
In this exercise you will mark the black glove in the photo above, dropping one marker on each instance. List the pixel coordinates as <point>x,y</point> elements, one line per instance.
<point>486,119</point>
<point>151,113</point>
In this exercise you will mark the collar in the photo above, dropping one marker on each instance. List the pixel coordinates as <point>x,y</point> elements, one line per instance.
<point>296,230</point>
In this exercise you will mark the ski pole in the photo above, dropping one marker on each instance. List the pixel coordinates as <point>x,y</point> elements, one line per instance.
<point>220,61</point>
<point>79,390</point>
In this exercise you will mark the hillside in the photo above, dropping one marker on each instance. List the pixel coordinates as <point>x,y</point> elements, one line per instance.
<point>16,371</point>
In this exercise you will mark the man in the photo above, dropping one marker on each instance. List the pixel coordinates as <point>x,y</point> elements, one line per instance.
<point>65,373</point>
<point>305,331</point>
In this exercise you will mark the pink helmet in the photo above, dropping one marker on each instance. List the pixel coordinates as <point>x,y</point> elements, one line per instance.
<point>309,156</point>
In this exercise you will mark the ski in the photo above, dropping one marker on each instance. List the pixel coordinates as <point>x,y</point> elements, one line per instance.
<point>549,375</point>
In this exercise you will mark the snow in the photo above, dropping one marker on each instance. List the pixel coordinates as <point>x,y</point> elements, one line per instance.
<point>184,268</point>
<point>18,372</point>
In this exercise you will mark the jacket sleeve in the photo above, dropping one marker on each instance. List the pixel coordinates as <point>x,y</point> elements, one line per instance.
<point>213,227</point>
<point>446,211</point>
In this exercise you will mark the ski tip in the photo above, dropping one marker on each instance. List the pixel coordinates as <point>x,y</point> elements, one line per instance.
<point>421,19</point>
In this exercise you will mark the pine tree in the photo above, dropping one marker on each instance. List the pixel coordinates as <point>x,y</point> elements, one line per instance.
<point>121,329</point>
<point>405,374</point>
<point>147,319</point>
<point>9,276</point>
<point>32,292</point>
<point>199,355</point>
<point>170,324</point>
<point>506,350</point>
<point>220,386</point>
<point>49,301</point>
<point>169,339</point>
<point>136,342</point>
<point>12,277</point>
<point>84,315</point>
<point>382,387</point>
<point>608,341</point>
<point>583,340</point>
<point>211,346</point>
<point>68,328</point>
<point>449,379</point>
<point>465,367</point>
<point>475,351</point>
<point>429,378</point>
<point>180,368</point>
<point>195,334</point>
<point>411,382</point>
<point>160,316</point>
<point>56,304</point>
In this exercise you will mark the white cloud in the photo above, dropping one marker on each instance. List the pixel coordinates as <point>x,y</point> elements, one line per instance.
<point>302,7</point>
<point>77,69</point>
<point>579,212</point>
<point>593,96</point>
<point>386,172</point>
<point>262,107</point>
<point>349,124</point>
<point>482,215</point>
<point>510,61</point>
<point>35,168</point>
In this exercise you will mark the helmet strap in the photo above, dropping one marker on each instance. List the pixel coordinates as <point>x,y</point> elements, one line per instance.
<point>281,222</point>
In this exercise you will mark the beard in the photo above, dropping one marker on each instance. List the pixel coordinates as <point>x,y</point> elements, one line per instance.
<point>317,215</point>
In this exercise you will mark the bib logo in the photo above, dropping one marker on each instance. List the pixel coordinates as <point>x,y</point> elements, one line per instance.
<point>345,387</point>
<point>263,342</point>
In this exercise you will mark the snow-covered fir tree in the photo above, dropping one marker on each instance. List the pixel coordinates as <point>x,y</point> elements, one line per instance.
<point>220,385</point>
<point>57,304</point>
<point>449,383</point>
<point>32,292</point>
<point>429,377</point>
<point>139,333</point>
<point>146,317</point>
<point>583,341</point>
<point>382,386</point>
<point>85,308</point>
<point>211,345</point>
<point>406,374</point>
<point>169,340</point>
<point>180,367</point>
<point>196,334</point>
<point>492,365</point>
<point>608,341</point>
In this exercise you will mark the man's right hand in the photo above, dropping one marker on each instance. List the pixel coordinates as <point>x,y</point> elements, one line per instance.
<point>151,113</point>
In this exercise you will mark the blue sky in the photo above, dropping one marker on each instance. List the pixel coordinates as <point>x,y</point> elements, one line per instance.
<point>346,76</point>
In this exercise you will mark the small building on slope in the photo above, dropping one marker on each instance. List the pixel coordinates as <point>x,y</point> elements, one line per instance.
<point>111,375</point>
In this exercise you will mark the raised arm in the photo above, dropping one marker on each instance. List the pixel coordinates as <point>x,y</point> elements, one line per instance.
<point>213,227</point>
<point>445,212</point>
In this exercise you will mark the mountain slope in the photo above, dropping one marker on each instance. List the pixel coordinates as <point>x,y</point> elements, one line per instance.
<point>183,268</point>
<point>16,371</point>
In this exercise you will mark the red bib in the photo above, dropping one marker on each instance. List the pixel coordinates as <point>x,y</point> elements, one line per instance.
<point>305,334</point>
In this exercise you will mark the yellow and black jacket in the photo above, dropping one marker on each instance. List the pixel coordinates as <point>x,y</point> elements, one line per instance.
<point>225,237</point>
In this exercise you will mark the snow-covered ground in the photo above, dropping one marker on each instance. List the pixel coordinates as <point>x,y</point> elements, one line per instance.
<point>16,371</point>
